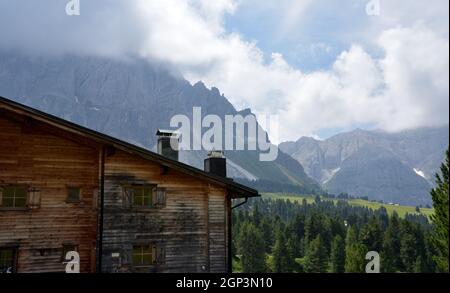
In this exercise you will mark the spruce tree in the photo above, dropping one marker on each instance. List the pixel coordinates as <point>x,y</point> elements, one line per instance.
<point>291,248</point>
<point>251,248</point>
<point>316,260</point>
<point>390,256</point>
<point>338,255</point>
<point>408,247</point>
<point>371,235</point>
<point>268,235</point>
<point>355,253</point>
<point>440,217</point>
<point>280,253</point>
<point>256,215</point>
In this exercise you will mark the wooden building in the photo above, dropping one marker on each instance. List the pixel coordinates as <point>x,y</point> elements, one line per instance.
<point>121,207</point>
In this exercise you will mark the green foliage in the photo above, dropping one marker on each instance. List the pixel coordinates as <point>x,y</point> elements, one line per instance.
<point>355,253</point>
<point>390,258</point>
<point>251,247</point>
<point>291,247</point>
<point>338,255</point>
<point>308,236</point>
<point>355,258</point>
<point>281,263</point>
<point>268,235</point>
<point>440,218</point>
<point>371,235</point>
<point>316,259</point>
<point>401,210</point>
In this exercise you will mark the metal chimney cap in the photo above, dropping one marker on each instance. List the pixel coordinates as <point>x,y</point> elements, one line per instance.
<point>167,133</point>
<point>216,154</point>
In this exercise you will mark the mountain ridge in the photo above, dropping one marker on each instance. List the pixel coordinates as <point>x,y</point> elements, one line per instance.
<point>130,100</point>
<point>414,155</point>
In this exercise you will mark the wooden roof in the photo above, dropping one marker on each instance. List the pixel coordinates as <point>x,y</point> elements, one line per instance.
<point>237,190</point>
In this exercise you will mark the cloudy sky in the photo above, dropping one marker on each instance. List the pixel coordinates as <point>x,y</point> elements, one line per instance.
<point>323,66</point>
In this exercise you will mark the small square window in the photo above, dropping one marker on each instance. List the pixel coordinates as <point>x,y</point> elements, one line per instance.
<point>141,196</point>
<point>142,255</point>
<point>13,197</point>
<point>73,194</point>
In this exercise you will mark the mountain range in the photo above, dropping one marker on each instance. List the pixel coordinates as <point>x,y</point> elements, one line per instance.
<point>130,99</point>
<point>392,167</point>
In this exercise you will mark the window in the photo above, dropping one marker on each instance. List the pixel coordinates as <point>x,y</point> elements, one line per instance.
<point>145,196</point>
<point>8,260</point>
<point>143,255</point>
<point>140,196</point>
<point>73,194</point>
<point>148,254</point>
<point>13,197</point>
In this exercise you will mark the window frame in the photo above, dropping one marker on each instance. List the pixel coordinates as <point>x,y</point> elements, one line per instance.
<point>158,254</point>
<point>157,200</point>
<point>14,208</point>
<point>68,199</point>
<point>15,254</point>
<point>129,199</point>
<point>141,264</point>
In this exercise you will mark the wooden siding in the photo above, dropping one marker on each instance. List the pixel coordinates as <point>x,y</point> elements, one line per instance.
<point>217,233</point>
<point>191,227</point>
<point>49,163</point>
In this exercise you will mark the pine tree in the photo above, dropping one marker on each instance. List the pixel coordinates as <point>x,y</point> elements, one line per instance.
<point>298,226</point>
<point>408,244</point>
<point>280,253</point>
<point>267,231</point>
<point>371,235</point>
<point>355,253</point>
<point>390,256</point>
<point>338,255</point>
<point>313,226</point>
<point>440,217</point>
<point>256,215</point>
<point>291,248</point>
<point>316,260</point>
<point>251,247</point>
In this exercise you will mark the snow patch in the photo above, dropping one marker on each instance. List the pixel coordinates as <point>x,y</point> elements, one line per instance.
<point>330,174</point>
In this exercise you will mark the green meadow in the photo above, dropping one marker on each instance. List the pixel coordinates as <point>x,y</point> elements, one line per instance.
<point>401,210</point>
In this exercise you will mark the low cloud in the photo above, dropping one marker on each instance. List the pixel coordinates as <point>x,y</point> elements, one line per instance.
<point>404,86</point>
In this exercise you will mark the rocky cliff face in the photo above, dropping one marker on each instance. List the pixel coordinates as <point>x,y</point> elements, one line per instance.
<point>394,167</point>
<point>130,100</point>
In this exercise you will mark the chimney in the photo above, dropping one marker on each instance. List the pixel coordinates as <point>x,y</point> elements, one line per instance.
<point>216,163</point>
<point>167,139</point>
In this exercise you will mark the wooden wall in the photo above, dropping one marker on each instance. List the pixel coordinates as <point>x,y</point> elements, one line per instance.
<point>218,243</point>
<point>191,227</point>
<point>49,163</point>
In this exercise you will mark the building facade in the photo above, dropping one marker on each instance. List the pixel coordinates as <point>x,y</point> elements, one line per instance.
<point>120,207</point>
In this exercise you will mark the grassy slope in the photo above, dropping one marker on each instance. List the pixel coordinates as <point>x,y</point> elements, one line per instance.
<point>401,210</point>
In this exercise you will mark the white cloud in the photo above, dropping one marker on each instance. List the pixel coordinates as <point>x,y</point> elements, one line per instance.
<point>406,86</point>
<point>416,73</point>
